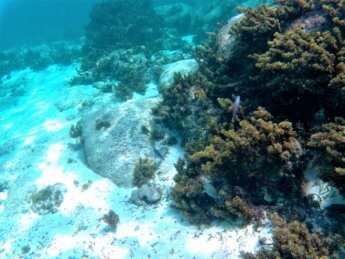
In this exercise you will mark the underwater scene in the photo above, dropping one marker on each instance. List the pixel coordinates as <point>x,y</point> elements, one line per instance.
<point>172,129</point>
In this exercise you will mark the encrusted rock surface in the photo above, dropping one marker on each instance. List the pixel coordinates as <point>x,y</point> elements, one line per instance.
<point>225,38</point>
<point>113,139</point>
<point>183,67</point>
<point>146,194</point>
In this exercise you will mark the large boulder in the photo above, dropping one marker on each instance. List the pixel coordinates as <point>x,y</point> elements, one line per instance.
<point>183,67</point>
<point>225,39</point>
<point>113,139</point>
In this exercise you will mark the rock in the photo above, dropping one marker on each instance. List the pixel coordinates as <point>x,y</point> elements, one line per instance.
<point>114,150</point>
<point>184,67</point>
<point>146,194</point>
<point>225,39</point>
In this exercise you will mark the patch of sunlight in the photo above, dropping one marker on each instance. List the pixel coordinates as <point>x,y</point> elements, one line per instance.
<point>202,244</point>
<point>54,153</point>
<point>52,174</point>
<point>234,241</point>
<point>6,247</point>
<point>145,235</point>
<point>104,248</point>
<point>8,125</point>
<point>28,141</point>
<point>94,197</point>
<point>53,125</point>
<point>9,165</point>
<point>27,220</point>
<point>63,243</point>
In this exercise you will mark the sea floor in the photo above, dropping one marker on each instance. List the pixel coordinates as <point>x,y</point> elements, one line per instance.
<point>36,151</point>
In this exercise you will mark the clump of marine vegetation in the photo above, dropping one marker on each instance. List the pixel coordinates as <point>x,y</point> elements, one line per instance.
<point>144,171</point>
<point>245,159</point>
<point>47,200</point>
<point>119,40</point>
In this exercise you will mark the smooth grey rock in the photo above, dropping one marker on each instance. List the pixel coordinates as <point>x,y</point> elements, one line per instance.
<point>225,39</point>
<point>146,194</point>
<point>183,67</point>
<point>113,148</point>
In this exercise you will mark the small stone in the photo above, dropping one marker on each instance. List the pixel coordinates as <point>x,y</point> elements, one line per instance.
<point>146,194</point>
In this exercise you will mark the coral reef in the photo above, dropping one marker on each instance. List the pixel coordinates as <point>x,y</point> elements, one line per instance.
<point>144,171</point>
<point>329,145</point>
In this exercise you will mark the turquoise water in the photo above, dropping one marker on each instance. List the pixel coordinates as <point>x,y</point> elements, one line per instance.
<point>78,85</point>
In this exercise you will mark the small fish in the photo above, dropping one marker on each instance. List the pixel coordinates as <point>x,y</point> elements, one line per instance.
<point>209,189</point>
<point>235,109</point>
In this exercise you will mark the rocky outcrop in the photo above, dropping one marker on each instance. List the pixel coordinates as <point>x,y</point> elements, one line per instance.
<point>113,139</point>
<point>183,67</point>
<point>225,39</point>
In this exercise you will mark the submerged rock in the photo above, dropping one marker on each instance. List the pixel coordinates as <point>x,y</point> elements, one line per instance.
<point>225,39</point>
<point>113,150</point>
<point>146,194</point>
<point>183,67</point>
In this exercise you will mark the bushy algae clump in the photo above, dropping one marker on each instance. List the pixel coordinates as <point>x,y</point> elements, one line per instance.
<point>144,171</point>
<point>47,200</point>
<point>111,219</point>
<point>255,162</point>
<point>297,60</point>
<point>122,23</point>
<point>329,146</point>
<point>286,63</point>
<point>295,240</point>
<point>115,25</point>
